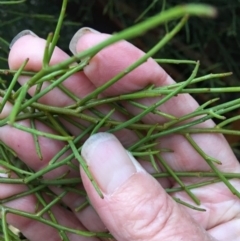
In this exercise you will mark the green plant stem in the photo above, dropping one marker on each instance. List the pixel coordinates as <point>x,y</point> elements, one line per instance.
<point>199,90</point>
<point>10,150</point>
<point>40,200</point>
<point>158,103</point>
<point>12,84</point>
<point>17,106</point>
<point>51,86</point>
<point>4,224</point>
<point>12,2</point>
<point>46,57</point>
<point>210,130</point>
<point>174,61</point>
<point>76,154</point>
<point>193,186</point>
<point>99,125</point>
<point>85,168</point>
<point>36,141</point>
<point>55,225</point>
<point>23,194</point>
<point>40,133</point>
<point>51,204</point>
<point>227,122</point>
<point>146,11</point>
<point>57,30</point>
<point>212,166</point>
<point>140,61</point>
<point>178,200</point>
<point>176,178</point>
<point>200,79</point>
<point>70,181</point>
<point>197,174</point>
<point>14,168</point>
<point>82,206</point>
<point>220,109</point>
<point>67,147</point>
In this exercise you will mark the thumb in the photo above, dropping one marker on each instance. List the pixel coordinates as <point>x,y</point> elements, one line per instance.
<point>135,206</point>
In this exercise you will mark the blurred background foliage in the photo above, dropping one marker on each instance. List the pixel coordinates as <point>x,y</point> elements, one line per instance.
<point>215,42</point>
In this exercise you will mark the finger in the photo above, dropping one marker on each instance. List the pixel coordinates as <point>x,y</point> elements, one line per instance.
<point>22,143</point>
<point>229,231</point>
<point>116,58</point>
<point>88,216</point>
<point>29,227</point>
<point>134,206</point>
<point>32,47</point>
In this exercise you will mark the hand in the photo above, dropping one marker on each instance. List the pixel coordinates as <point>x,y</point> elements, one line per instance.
<point>135,205</point>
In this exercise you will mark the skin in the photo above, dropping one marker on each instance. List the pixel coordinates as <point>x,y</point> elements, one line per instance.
<point>135,206</point>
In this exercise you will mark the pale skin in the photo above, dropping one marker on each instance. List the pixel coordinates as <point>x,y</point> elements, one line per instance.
<point>135,206</point>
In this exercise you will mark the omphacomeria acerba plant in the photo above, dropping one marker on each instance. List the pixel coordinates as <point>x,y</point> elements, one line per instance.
<point>25,107</point>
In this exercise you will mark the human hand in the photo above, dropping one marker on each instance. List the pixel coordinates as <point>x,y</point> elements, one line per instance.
<point>135,205</point>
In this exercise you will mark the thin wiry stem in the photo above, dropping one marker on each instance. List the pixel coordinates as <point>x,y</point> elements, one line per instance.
<point>86,111</point>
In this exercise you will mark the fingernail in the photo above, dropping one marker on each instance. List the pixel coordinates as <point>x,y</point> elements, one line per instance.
<point>21,34</point>
<point>109,163</point>
<point>77,36</point>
